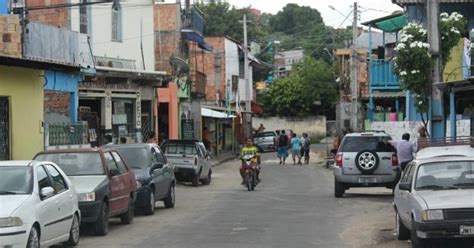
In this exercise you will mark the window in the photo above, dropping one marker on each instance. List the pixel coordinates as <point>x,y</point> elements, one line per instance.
<point>43,179</point>
<point>158,154</point>
<point>111,165</point>
<point>121,166</point>
<point>83,23</point>
<point>59,185</point>
<point>408,173</point>
<point>116,22</point>
<point>75,164</point>
<point>357,144</point>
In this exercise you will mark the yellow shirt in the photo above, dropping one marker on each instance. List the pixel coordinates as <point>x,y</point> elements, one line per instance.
<point>250,151</point>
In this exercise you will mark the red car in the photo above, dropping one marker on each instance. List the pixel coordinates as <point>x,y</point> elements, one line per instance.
<point>105,185</point>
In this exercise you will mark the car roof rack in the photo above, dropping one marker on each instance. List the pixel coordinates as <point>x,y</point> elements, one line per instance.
<point>448,141</point>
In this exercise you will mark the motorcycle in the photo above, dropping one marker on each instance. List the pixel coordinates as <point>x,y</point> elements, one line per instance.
<point>250,175</point>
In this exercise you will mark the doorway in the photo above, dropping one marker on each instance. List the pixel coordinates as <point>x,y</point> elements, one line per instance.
<point>4,129</point>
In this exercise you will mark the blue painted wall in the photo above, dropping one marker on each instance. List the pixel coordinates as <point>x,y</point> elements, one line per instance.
<point>3,7</point>
<point>65,82</point>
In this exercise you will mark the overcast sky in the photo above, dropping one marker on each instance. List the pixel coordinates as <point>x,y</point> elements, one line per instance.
<point>370,9</point>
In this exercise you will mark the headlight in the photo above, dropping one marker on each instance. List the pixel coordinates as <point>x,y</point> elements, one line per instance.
<point>86,197</point>
<point>428,215</point>
<point>10,222</point>
<point>139,184</point>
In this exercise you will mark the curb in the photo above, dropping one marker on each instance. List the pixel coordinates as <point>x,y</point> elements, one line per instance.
<point>223,161</point>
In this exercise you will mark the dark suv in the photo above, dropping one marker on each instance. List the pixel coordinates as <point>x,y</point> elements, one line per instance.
<point>103,182</point>
<point>365,159</point>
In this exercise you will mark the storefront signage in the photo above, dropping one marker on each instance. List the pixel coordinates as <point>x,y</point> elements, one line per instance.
<point>187,129</point>
<point>119,119</point>
<point>109,86</point>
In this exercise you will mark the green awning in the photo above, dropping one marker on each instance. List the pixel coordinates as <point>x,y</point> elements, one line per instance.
<point>389,24</point>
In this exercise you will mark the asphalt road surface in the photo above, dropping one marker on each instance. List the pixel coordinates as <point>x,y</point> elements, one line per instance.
<point>294,206</point>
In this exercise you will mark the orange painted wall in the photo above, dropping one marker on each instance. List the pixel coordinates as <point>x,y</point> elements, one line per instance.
<point>170,95</point>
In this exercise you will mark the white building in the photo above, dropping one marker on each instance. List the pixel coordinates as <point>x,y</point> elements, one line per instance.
<point>286,59</point>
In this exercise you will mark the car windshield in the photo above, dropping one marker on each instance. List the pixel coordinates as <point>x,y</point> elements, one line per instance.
<point>16,180</point>
<point>177,148</point>
<point>76,164</point>
<point>445,175</point>
<point>360,143</point>
<point>136,157</point>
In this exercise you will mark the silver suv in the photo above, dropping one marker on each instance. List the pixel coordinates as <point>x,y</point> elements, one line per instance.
<point>365,159</point>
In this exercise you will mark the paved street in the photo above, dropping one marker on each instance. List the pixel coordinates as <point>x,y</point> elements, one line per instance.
<point>293,207</point>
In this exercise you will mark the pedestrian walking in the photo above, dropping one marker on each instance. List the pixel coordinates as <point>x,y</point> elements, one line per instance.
<point>336,142</point>
<point>422,139</point>
<point>306,148</point>
<point>152,138</point>
<point>405,150</point>
<point>296,149</point>
<point>282,144</point>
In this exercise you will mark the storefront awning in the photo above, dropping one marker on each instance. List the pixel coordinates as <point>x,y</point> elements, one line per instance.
<point>214,114</point>
<point>192,36</point>
<point>390,23</point>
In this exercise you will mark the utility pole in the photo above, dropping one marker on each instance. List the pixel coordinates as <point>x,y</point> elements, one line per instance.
<point>354,74</point>
<point>248,102</point>
<point>436,112</point>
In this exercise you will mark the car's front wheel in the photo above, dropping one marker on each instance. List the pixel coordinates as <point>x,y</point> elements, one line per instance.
<point>402,231</point>
<point>127,217</point>
<point>170,200</point>
<point>150,209</point>
<point>102,224</point>
<point>33,238</point>
<point>339,189</point>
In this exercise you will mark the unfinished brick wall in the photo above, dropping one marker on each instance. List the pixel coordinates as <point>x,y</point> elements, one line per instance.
<point>55,17</point>
<point>56,106</point>
<point>167,26</point>
<point>10,36</point>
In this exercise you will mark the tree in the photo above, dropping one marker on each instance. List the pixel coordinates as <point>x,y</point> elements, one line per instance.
<point>309,90</point>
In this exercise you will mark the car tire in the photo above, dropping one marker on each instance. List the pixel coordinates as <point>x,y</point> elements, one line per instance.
<point>417,242</point>
<point>195,180</point>
<point>339,189</point>
<point>371,157</point>
<point>402,231</point>
<point>150,209</point>
<point>74,233</point>
<point>33,238</point>
<point>170,200</point>
<point>127,217</point>
<point>208,179</point>
<point>102,223</point>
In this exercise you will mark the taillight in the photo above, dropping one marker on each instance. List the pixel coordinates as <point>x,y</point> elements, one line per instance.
<point>394,160</point>
<point>339,160</point>
<point>195,161</point>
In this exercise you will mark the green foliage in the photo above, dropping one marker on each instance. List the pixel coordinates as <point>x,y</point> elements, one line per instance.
<point>450,28</point>
<point>298,95</point>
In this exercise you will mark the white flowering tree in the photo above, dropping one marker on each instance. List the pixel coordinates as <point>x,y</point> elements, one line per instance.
<point>413,62</point>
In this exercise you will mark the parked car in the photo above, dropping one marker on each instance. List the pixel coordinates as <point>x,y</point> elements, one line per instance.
<point>190,159</point>
<point>155,176</point>
<point>105,185</point>
<point>365,159</point>
<point>39,206</point>
<point>265,141</point>
<point>433,199</point>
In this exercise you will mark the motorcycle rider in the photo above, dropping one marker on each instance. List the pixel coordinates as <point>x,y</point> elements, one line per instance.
<point>250,149</point>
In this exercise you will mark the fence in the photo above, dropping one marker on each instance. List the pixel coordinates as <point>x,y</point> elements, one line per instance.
<point>65,134</point>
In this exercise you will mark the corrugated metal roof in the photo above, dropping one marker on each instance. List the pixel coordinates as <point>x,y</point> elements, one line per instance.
<point>424,1</point>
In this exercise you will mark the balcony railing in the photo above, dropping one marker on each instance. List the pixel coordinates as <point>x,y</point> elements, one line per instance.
<point>194,21</point>
<point>382,75</point>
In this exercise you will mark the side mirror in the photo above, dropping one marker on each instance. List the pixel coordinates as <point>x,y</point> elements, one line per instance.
<point>404,186</point>
<point>46,192</point>
<point>114,172</point>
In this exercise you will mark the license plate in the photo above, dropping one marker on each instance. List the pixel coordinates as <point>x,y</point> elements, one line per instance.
<point>466,230</point>
<point>367,180</point>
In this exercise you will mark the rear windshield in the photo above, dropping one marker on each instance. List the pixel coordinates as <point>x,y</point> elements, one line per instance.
<point>135,157</point>
<point>76,164</point>
<point>266,134</point>
<point>177,148</point>
<point>357,144</point>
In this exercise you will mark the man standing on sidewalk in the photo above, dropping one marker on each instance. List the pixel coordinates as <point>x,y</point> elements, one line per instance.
<point>282,147</point>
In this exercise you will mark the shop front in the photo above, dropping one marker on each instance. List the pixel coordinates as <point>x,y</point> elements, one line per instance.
<point>218,130</point>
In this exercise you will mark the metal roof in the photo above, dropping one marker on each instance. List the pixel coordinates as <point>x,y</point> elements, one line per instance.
<point>404,2</point>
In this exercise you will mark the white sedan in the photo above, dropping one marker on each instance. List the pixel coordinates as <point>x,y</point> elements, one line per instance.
<point>39,206</point>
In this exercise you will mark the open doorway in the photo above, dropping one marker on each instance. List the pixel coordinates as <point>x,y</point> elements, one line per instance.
<point>163,121</point>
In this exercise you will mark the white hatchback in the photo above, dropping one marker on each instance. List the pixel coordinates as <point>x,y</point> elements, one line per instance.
<point>39,206</point>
